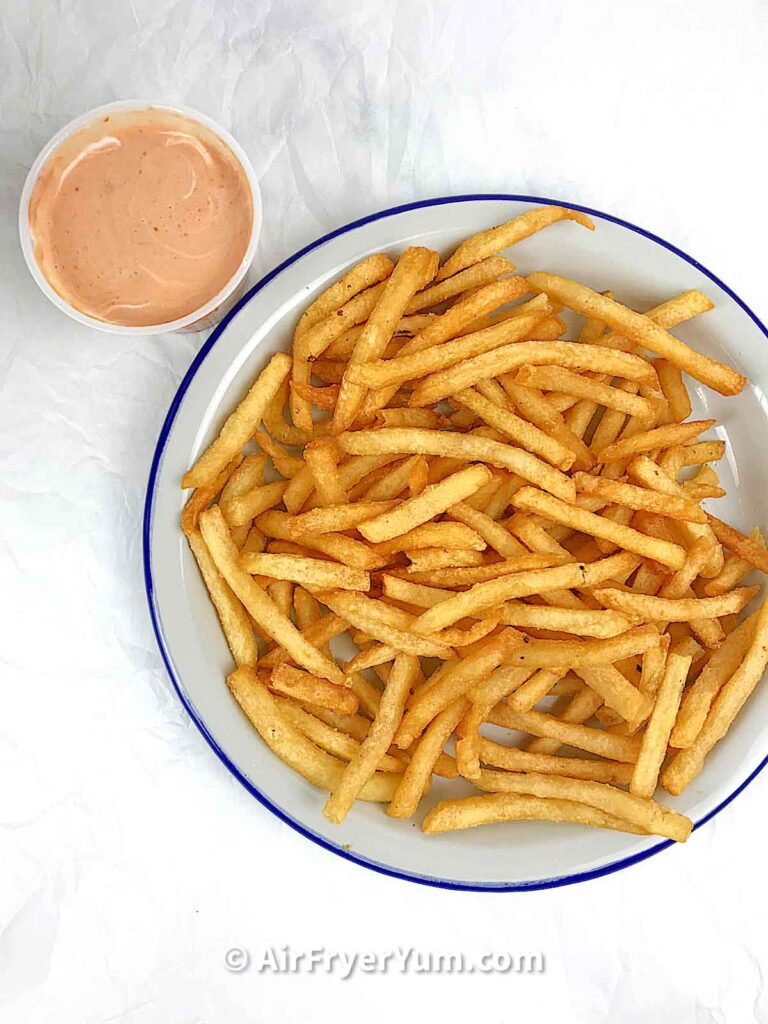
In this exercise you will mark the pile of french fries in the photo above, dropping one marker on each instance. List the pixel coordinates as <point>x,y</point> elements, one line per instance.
<point>509,528</point>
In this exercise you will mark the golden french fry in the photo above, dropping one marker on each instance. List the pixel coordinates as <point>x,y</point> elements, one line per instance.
<point>493,593</point>
<point>335,545</point>
<point>434,535</point>
<point>505,358</point>
<point>461,446</point>
<point>529,499</point>
<point>263,610</point>
<point>240,425</point>
<point>675,391</point>
<point>291,746</point>
<point>514,760</point>
<point>641,330</point>
<point>687,764</point>
<point>363,765</point>
<point>749,549</point>
<point>493,533</point>
<point>642,813</point>
<point>310,572</point>
<point>476,276</point>
<point>412,272</point>
<point>418,774</point>
<point>494,808</point>
<point>651,440</point>
<point>287,465</point>
<point>531,404</point>
<point>427,559</point>
<point>233,617</point>
<point>324,397</point>
<point>560,379</point>
<point>322,458</point>
<point>698,698</point>
<point>633,497</point>
<point>659,609</point>
<point>657,732</point>
<point>201,497</point>
<point>242,508</point>
<point>370,271</point>
<point>360,611</point>
<point>488,243</point>
<point>582,622</point>
<point>434,500</point>
<point>330,739</point>
<point>303,686</point>
<point>336,518</point>
<point>735,568</point>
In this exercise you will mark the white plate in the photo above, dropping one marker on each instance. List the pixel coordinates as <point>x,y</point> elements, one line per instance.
<point>642,270</point>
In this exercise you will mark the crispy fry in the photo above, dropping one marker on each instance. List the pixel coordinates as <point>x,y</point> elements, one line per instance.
<point>675,391</point>
<point>240,425</point>
<point>632,497</point>
<point>476,276</point>
<point>227,559</point>
<point>363,765</point>
<point>566,620</point>
<point>493,533</point>
<point>656,735</point>
<point>335,545</point>
<point>201,497</point>
<point>434,535</point>
<point>310,572</point>
<point>233,617</point>
<point>370,271</point>
<point>434,500</point>
<point>303,686</point>
<point>641,330</point>
<point>687,764</point>
<point>428,559</point>
<point>412,272</point>
<point>336,518</point>
<point>553,508</point>
<point>651,440</point>
<point>494,592</point>
<point>659,609</point>
<point>488,243</point>
<point>322,457</point>
<point>642,813</point>
<point>493,808</point>
<point>514,760</point>
<point>462,446</point>
<point>292,746</point>
<point>417,776</point>
<point>360,611</point>
<point>735,568</point>
<point>558,378</point>
<point>749,549</point>
<point>507,357</point>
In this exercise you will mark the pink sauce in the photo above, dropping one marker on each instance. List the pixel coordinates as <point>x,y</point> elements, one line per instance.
<point>141,217</point>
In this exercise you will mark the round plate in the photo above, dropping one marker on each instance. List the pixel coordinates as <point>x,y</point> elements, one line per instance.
<point>642,270</point>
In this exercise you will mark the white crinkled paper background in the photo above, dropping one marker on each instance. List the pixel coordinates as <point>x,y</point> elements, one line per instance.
<point>130,860</point>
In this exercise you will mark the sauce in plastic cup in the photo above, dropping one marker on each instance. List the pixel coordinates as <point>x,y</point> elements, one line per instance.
<point>204,316</point>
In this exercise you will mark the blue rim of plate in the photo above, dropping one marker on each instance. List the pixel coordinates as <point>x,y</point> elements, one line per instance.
<point>440,883</point>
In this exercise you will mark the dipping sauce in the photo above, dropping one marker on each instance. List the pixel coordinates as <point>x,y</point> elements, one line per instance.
<point>141,217</point>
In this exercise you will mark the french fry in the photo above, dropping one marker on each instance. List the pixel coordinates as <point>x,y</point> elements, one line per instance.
<point>310,572</point>
<point>523,433</point>
<point>428,559</point>
<point>242,508</point>
<point>659,609</point>
<point>735,568</point>
<point>335,545</point>
<point>287,465</point>
<point>293,682</point>
<point>360,611</point>
<point>461,446</point>
<point>476,276</point>
<point>280,628</point>
<point>374,268</point>
<point>642,813</point>
<point>698,698</point>
<point>748,548</point>
<point>336,518</point>
<point>579,710</point>
<point>434,535</point>
<point>322,458</point>
<point>531,404</point>
<point>240,425</point>
<point>232,615</point>
<point>488,243</point>
<point>201,497</point>
<point>493,533</point>
<point>632,497</point>
<point>291,746</point>
<point>330,739</point>
<point>363,765</point>
<point>412,272</point>
<point>651,440</point>
<point>656,735</point>
<point>417,360</point>
<point>418,774</point>
<point>675,391</point>
<point>494,808</point>
<point>701,451</point>
<point>687,764</point>
<point>513,760</point>
<point>493,593</point>
<point>566,620</point>
<point>532,500</point>
<point>435,499</point>
<point>454,682</point>
<point>640,330</point>
<point>483,698</point>
<point>508,357</point>
<point>560,379</point>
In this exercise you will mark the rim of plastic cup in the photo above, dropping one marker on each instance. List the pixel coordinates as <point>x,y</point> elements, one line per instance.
<point>170,326</point>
